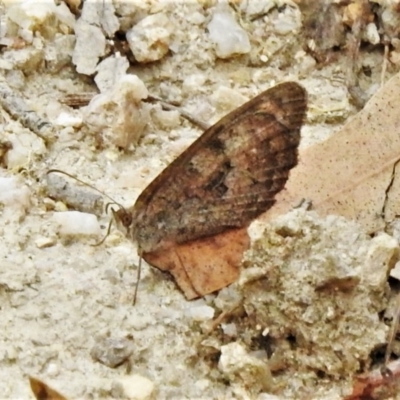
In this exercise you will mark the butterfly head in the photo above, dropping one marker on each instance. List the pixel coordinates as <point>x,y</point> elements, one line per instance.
<point>134,225</point>
<point>124,220</point>
<point>128,222</point>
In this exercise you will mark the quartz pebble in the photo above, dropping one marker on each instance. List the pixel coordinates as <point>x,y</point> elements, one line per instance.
<point>77,223</point>
<point>200,313</point>
<point>14,194</point>
<point>133,387</point>
<point>229,37</point>
<point>149,40</point>
<point>119,113</point>
<point>110,71</point>
<point>90,46</point>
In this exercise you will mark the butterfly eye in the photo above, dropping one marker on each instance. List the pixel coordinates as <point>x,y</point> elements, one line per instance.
<point>126,219</point>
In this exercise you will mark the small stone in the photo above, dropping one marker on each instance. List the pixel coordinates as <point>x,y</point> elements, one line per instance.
<point>394,57</point>
<point>67,119</point>
<point>44,242</point>
<point>288,21</point>
<point>254,9</point>
<point>27,60</point>
<point>60,206</point>
<point>110,71</point>
<point>112,352</point>
<point>119,113</point>
<point>90,46</point>
<point>133,387</point>
<point>236,364</point>
<point>42,18</point>
<point>202,384</point>
<point>166,119</point>
<point>24,146</point>
<point>53,369</point>
<point>103,17</point>
<point>200,312</point>
<point>14,194</point>
<point>16,79</point>
<point>382,256</point>
<point>229,329</point>
<point>149,40</point>
<point>73,223</point>
<point>58,54</point>
<point>390,20</point>
<point>371,34</point>
<point>194,81</point>
<point>229,37</point>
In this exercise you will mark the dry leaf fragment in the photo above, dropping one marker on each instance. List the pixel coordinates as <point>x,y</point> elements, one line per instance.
<point>43,391</point>
<point>348,173</point>
<point>192,219</point>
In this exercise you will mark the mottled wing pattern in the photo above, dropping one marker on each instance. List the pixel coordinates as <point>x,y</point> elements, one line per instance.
<point>227,177</point>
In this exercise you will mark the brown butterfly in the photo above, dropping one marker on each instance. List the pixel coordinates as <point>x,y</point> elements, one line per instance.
<point>192,219</point>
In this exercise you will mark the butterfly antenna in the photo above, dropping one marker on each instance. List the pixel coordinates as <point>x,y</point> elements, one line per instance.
<point>105,236</point>
<point>108,205</point>
<point>138,277</point>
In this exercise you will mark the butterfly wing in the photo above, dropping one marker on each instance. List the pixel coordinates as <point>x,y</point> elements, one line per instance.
<point>228,176</point>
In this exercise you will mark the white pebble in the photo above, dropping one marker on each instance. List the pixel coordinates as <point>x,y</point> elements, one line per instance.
<point>90,46</point>
<point>24,146</point>
<point>77,223</point>
<point>110,71</point>
<point>28,17</point>
<point>380,259</point>
<point>67,119</point>
<point>229,37</point>
<point>289,21</point>
<point>229,329</point>
<point>119,113</point>
<point>14,194</point>
<point>200,313</point>
<point>43,242</point>
<point>135,387</point>
<point>53,369</point>
<point>149,40</point>
<point>194,81</point>
<point>371,34</point>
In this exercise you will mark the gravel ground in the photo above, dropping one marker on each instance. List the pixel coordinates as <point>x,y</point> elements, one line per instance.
<point>66,309</point>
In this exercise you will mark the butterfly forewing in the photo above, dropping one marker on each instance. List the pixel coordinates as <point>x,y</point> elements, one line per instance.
<point>227,177</point>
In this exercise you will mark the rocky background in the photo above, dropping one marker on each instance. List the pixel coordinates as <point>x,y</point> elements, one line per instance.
<point>313,306</point>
